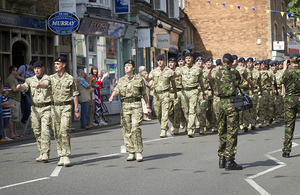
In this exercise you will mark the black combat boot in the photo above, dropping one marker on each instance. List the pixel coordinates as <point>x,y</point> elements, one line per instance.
<point>286,155</point>
<point>222,163</point>
<point>232,165</point>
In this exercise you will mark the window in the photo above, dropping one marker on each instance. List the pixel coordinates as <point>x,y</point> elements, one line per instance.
<point>282,6</point>
<point>173,9</point>
<point>283,33</point>
<point>274,4</point>
<point>161,5</point>
<point>275,32</point>
<point>181,4</point>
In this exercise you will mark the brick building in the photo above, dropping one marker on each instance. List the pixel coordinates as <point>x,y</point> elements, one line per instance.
<point>234,26</point>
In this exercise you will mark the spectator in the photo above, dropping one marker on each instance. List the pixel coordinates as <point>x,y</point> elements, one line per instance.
<point>6,112</point>
<point>25,71</point>
<point>105,91</point>
<point>14,98</point>
<point>84,89</point>
<point>97,101</point>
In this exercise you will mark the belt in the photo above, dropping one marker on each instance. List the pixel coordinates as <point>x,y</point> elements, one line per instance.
<point>190,88</point>
<point>40,105</point>
<point>131,100</point>
<point>161,92</point>
<point>178,89</point>
<point>62,103</point>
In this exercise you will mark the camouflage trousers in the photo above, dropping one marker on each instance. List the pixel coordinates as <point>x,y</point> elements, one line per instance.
<point>175,109</point>
<point>271,105</point>
<point>189,104</point>
<point>291,107</point>
<point>263,107</point>
<point>278,107</point>
<point>40,122</point>
<point>205,112</point>
<point>216,106</point>
<point>244,116</point>
<point>228,129</point>
<point>161,106</point>
<point>131,120</point>
<point>253,112</point>
<point>61,123</point>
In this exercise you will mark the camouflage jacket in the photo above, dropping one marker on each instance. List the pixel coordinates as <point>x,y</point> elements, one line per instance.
<point>224,81</point>
<point>291,81</point>
<point>63,88</point>
<point>162,78</point>
<point>266,79</point>
<point>245,75</point>
<point>129,88</point>
<point>40,95</point>
<point>191,76</point>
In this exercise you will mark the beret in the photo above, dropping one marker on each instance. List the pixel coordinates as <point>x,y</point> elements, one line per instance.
<point>180,58</point>
<point>250,60</point>
<point>129,62</point>
<point>172,59</point>
<point>160,57</point>
<point>218,62</point>
<point>208,59</point>
<point>38,64</point>
<point>273,63</point>
<point>242,59</point>
<point>234,57</point>
<point>295,54</point>
<point>61,59</point>
<point>257,62</point>
<point>228,56</point>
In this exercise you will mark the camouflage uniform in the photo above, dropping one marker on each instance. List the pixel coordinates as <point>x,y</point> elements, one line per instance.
<point>256,79</point>
<point>228,117</point>
<point>63,89</point>
<point>205,110</point>
<point>271,98</point>
<point>244,116</point>
<point>191,76</point>
<point>175,111</point>
<point>131,92</point>
<point>279,108</point>
<point>264,111</point>
<point>291,81</point>
<point>40,112</point>
<point>161,86</point>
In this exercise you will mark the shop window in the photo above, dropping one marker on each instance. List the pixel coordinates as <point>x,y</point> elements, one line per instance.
<point>5,41</point>
<point>50,45</point>
<point>34,44</point>
<point>41,45</point>
<point>111,48</point>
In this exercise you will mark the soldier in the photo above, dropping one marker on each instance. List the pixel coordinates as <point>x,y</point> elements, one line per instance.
<point>245,122</point>
<point>216,103</point>
<point>63,89</point>
<point>264,103</point>
<point>275,99</point>
<point>191,77</point>
<point>180,61</point>
<point>132,89</point>
<point>256,79</point>
<point>291,82</point>
<point>175,104</point>
<point>162,77</point>
<point>227,81</point>
<point>40,109</point>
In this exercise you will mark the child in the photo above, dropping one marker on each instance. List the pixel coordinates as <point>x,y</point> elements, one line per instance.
<point>1,119</point>
<point>6,112</point>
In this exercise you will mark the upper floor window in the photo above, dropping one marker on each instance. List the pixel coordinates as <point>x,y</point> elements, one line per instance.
<point>173,9</point>
<point>160,5</point>
<point>274,4</point>
<point>275,32</point>
<point>282,34</point>
<point>282,6</point>
<point>104,3</point>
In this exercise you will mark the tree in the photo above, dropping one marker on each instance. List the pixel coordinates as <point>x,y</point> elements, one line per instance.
<point>294,7</point>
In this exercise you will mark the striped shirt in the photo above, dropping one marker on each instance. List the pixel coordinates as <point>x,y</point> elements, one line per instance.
<point>6,112</point>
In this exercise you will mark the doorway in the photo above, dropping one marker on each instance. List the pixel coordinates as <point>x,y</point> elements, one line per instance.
<point>19,54</point>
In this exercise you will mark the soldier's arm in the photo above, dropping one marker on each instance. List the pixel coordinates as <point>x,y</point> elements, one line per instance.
<point>21,87</point>
<point>147,103</point>
<point>114,94</point>
<point>251,84</point>
<point>174,88</point>
<point>75,99</point>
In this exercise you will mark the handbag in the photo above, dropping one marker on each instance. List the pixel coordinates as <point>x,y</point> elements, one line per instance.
<point>240,102</point>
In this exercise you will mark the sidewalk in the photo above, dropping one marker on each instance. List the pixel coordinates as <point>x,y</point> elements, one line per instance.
<point>111,120</point>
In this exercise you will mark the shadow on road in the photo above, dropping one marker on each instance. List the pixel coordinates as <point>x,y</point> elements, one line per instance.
<point>161,156</point>
<point>266,163</point>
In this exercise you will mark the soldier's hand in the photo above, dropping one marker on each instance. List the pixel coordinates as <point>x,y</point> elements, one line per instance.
<point>175,96</point>
<point>110,99</point>
<point>149,111</point>
<point>204,96</point>
<point>78,80</point>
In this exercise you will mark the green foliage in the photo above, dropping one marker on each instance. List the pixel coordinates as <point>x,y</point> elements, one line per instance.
<point>294,7</point>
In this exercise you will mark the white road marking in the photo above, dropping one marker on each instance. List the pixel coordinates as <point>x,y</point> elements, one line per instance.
<point>109,155</point>
<point>280,165</point>
<point>56,171</point>
<point>25,182</point>
<point>30,144</point>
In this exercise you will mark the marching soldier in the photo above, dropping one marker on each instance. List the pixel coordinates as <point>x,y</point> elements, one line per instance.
<point>40,109</point>
<point>291,82</point>
<point>63,90</point>
<point>191,77</point>
<point>162,77</point>
<point>180,61</point>
<point>175,104</point>
<point>132,89</point>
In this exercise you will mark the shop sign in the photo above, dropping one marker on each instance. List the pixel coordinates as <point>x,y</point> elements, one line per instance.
<point>80,61</point>
<point>163,41</point>
<point>101,27</point>
<point>122,6</point>
<point>63,23</point>
<point>22,21</point>
<point>278,45</point>
<point>144,38</point>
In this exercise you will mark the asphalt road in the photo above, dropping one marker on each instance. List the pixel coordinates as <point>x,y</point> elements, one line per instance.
<point>173,165</point>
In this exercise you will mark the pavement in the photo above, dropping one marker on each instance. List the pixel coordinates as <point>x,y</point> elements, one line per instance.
<point>112,120</point>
